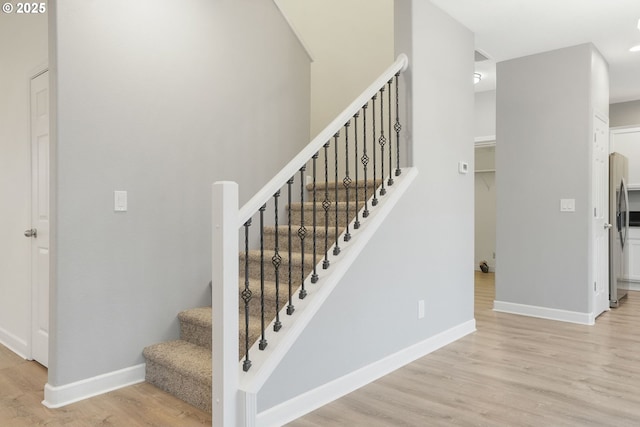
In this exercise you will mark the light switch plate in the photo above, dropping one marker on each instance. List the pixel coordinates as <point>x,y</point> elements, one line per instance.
<point>567,205</point>
<point>120,201</point>
<point>463,167</point>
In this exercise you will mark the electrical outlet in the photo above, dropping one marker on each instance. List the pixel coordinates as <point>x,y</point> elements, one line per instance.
<point>420,309</point>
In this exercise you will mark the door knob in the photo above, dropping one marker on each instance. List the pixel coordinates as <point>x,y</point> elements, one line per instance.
<point>31,233</point>
<point>607,226</point>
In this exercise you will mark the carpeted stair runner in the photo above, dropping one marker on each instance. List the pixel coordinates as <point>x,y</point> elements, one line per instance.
<point>183,367</point>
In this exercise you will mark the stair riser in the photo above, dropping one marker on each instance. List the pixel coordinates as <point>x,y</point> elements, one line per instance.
<point>196,334</point>
<point>188,389</point>
<point>342,194</point>
<point>343,220</point>
<point>296,244</point>
<point>283,272</point>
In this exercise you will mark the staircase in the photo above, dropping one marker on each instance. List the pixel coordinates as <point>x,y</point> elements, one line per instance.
<point>183,367</point>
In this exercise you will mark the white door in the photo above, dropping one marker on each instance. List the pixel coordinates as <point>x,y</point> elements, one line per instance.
<point>601,226</point>
<point>39,233</point>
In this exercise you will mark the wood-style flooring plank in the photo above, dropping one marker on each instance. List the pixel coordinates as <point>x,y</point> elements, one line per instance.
<point>514,371</point>
<point>21,393</point>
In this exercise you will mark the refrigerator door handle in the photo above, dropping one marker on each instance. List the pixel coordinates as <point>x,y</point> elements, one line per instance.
<point>625,224</point>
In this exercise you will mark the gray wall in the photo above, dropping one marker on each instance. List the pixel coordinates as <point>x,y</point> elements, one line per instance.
<point>159,98</point>
<point>485,114</point>
<point>23,52</point>
<point>625,114</point>
<point>373,312</point>
<point>545,106</point>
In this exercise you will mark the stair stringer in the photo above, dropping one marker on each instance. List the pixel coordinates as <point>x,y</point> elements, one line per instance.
<point>265,362</point>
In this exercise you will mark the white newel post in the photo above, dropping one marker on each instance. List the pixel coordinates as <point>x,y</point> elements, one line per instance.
<point>224,295</point>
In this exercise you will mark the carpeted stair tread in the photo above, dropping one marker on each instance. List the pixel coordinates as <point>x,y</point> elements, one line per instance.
<point>200,316</point>
<point>181,356</point>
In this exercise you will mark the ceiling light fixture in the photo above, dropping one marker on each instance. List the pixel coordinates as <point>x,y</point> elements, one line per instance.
<point>636,48</point>
<point>476,78</point>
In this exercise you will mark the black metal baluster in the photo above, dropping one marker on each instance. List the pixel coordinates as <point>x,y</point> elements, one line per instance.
<point>290,306</point>
<point>382,141</point>
<point>263,340</point>
<point>326,204</point>
<point>365,159</point>
<point>246,297</point>
<point>347,180</point>
<point>302,232</point>
<point>336,248</point>
<point>314,275</point>
<point>374,201</point>
<point>390,181</point>
<point>356,224</point>
<point>398,128</point>
<point>276,260</point>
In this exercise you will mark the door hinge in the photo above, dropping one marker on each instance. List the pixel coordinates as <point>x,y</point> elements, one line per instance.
<point>594,286</point>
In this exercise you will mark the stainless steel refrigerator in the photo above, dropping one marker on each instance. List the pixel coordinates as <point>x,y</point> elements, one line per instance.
<point>619,218</point>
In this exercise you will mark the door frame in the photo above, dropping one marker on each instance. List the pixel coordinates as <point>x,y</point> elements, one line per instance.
<point>600,264</point>
<point>33,294</point>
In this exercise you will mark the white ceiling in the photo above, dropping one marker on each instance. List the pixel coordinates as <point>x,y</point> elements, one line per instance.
<point>507,29</point>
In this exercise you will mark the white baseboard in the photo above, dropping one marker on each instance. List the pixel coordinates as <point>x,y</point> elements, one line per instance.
<point>313,399</point>
<point>544,312</point>
<point>14,343</point>
<point>58,396</point>
<point>634,286</point>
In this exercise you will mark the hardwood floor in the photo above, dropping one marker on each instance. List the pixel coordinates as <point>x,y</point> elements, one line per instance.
<point>514,371</point>
<point>21,391</point>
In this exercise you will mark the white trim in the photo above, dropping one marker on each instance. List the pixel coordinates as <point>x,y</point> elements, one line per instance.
<point>544,312</point>
<point>295,30</point>
<point>58,396</point>
<point>313,399</point>
<point>14,343</point>
<point>485,141</point>
<point>625,129</point>
<point>224,303</point>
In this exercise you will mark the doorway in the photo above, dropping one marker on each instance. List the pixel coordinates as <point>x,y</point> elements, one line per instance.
<point>485,206</point>
<point>39,231</point>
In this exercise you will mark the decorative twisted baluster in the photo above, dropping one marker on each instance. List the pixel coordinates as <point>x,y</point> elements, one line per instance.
<point>382,141</point>
<point>347,180</point>
<point>356,224</point>
<point>326,205</point>
<point>302,233</point>
<point>397,127</point>
<point>246,297</point>
<point>263,339</point>
<point>336,248</point>
<point>365,159</point>
<point>374,201</point>
<point>276,260</point>
<point>290,306</point>
<point>314,275</point>
<point>390,181</point>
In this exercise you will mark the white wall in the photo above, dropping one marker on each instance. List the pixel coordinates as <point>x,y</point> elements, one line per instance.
<point>159,98</point>
<point>351,43</point>
<point>485,114</point>
<point>23,52</point>
<point>544,130</point>
<point>373,312</point>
